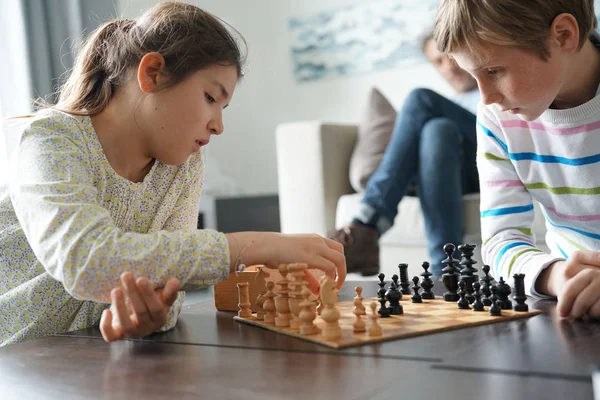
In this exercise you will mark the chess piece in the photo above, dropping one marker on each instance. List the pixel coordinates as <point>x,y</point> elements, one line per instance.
<point>503,292</point>
<point>374,329</point>
<point>331,316</point>
<point>477,304</point>
<point>404,282</point>
<point>361,307</point>
<point>269,304</point>
<point>495,308</point>
<point>297,283</point>
<point>450,274</point>
<point>383,311</point>
<point>307,315</point>
<point>486,281</point>
<point>359,310</point>
<point>427,282</point>
<point>462,303</point>
<point>468,272</point>
<point>416,298</point>
<point>244,300</point>
<point>397,285</point>
<point>520,296</point>
<point>260,311</point>
<point>393,295</point>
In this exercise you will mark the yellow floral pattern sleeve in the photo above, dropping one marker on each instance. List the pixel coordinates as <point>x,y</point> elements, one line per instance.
<point>69,226</point>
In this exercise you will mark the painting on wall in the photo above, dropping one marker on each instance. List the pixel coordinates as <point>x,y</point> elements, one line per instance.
<point>361,38</point>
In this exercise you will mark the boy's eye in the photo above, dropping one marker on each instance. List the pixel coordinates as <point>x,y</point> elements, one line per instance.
<point>493,72</point>
<point>209,98</point>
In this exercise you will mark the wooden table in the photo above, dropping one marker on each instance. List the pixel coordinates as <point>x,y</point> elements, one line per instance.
<point>208,355</point>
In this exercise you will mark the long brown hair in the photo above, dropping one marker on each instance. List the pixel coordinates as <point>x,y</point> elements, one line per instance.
<point>188,38</point>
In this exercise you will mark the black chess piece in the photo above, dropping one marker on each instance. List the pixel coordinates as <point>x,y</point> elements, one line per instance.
<point>396,285</point>
<point>468,272</point>
<point>393,295</point>
<point>427,282</point>
<point>477,304</point>
<point>520,296</point>
<point>450,274</point>
<point>496,307</point>
<point>383,310</point>
<point>503,292</point>
<point>486,281</point>
<point>462,303</point>
<point>404,282</point>
<point>416,297</point>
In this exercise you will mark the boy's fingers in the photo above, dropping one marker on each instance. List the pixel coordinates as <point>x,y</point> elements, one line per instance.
<point>594,311</point>
<point>135,298</point>
<point>121,313</point>
<point>584,301</point>
<point>572,288</point>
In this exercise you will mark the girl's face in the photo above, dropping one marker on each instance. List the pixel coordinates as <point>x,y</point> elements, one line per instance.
<point>179,120</point>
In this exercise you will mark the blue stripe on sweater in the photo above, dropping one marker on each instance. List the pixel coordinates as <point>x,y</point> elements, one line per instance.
<point>562,252</point>
<point>541,158</point>
<point>584,233</point>
<point>507,248</point>
<point>505,211</point>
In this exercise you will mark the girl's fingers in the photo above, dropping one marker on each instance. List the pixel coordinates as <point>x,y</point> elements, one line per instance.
<point>153,301</point>
<point>109,334</point>
<point>135,298</point>
<point>121,313</point>
<point>169,292</point>
<point>313,282</point>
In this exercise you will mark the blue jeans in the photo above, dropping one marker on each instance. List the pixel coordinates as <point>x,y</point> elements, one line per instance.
<point>433,145</point>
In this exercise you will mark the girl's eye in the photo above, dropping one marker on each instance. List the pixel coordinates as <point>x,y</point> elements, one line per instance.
<point>209,98</point>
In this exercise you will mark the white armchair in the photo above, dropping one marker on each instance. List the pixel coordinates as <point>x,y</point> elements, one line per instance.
<point>315,194</point>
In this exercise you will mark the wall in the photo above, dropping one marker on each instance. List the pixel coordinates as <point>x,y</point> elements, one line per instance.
<point>269,95</point>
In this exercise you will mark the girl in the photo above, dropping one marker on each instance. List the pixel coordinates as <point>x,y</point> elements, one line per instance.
<point>108,181</point>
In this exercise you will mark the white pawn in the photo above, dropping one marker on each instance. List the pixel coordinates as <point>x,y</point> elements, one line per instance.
<point>307,315</point>
<point>360,306</point>
<point>269,304</point>
<point>359,324</point>
<point>375,328</point>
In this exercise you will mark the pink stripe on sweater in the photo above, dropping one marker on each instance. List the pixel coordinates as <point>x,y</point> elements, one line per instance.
<point>553,131</point>
<point>575,217</point>
<point>504,183</point>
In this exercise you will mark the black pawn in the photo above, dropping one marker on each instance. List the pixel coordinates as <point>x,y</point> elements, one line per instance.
<point>462,303</point>
<point>520,295</point>
<point>393,295</point>
<point>485,285</point>
<point>404,282</point>
<point>427,282</point>
<point>495,308</point>
<point>477,304</point>
<point>396,285</point>
<point>468,272</point>
<point>450,274</point>
<point>503,292</point>
<point>416,298</point>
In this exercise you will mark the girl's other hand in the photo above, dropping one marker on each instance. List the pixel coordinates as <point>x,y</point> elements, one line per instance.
<point>137,308</point>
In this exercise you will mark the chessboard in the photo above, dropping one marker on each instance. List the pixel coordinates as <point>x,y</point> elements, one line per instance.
<point>424,318</point>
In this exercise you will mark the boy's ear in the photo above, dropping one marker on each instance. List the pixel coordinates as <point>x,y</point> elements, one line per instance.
<point>151,72</point>
<point>564,33</point>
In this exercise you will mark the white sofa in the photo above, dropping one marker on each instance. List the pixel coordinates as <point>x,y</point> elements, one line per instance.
<point>315,194</point>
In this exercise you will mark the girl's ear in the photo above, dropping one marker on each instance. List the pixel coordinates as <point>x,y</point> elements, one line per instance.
<point>151,72</point>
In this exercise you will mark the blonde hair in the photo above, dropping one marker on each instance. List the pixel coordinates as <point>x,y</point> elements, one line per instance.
<point>524,24</point>
<point>187,37</point>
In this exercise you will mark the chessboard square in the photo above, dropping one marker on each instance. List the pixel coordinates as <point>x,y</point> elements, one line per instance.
<point>476,317</point>
<point>425,327</point>
<point>441,312</point>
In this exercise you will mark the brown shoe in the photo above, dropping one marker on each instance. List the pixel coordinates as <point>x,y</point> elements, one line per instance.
<point>361,248</point>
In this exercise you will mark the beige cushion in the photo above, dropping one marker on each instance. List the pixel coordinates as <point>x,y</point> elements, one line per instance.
<point>374,133</point>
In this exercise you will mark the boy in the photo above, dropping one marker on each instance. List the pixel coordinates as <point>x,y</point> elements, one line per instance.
<point>537,65</point>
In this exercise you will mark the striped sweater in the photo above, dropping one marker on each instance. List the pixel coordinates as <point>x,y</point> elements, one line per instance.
<point>554,161</point>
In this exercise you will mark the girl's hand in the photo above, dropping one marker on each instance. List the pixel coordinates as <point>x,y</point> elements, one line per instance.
<point>137,309</point>
<point>318,252</point>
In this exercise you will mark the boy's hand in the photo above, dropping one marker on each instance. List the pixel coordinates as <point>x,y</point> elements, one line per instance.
<point>138,309</point>
<point>576,283</point>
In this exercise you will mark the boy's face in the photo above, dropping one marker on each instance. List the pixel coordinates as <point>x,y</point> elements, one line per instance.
<point>517,81</point>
